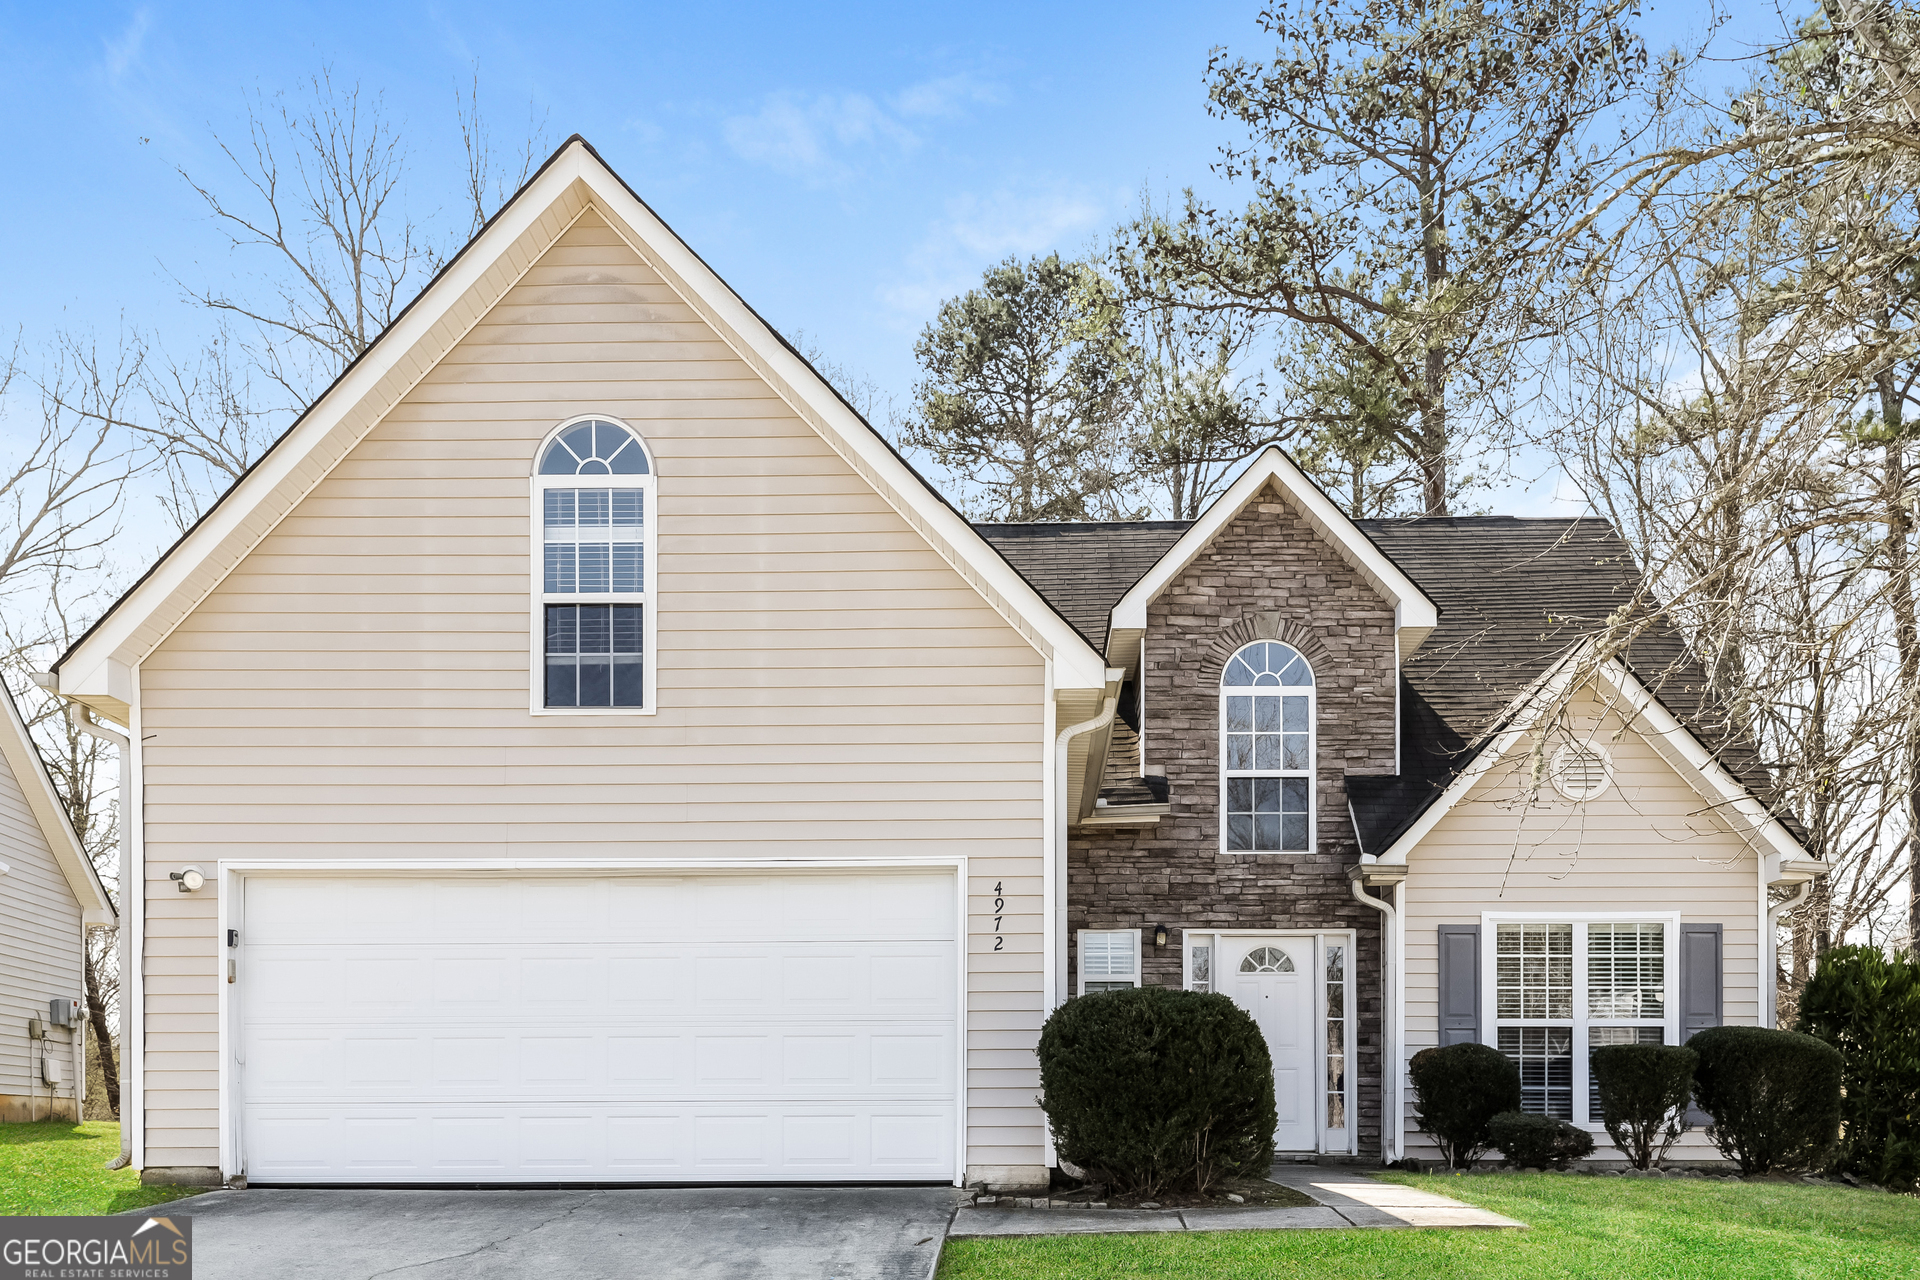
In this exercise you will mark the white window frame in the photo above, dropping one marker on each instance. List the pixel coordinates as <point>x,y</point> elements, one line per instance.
<point>536,577</point>
<point>1223,691</point>
<point>1582,1019</point>
<point>1332,1141</point>
<point>1080,956</point>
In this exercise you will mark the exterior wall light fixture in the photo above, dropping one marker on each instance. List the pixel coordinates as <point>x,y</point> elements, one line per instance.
<point>190,879</point>
<point>1159,935</point>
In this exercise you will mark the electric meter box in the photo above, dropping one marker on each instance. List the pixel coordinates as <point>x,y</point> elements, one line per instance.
<point>62,1012</point>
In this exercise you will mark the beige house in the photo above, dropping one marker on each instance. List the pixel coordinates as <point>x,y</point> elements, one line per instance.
<point>50,897</point>
<point>581,749</point>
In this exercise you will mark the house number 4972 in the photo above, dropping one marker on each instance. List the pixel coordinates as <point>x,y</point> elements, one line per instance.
<point>999,911</point>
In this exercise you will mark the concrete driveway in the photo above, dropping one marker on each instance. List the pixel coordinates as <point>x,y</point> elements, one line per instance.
<point>793,1233</point>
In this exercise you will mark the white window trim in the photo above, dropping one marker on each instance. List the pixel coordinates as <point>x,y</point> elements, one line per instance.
<point>1332,1141</point>
<point>1080,957</point>
<point>1313,757</point>
<point>536,576</point>
<point>1490,991</point>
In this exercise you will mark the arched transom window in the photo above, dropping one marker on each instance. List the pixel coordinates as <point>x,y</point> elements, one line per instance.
<point>593,504</point>
<point>1267,960</point>
<point>1266,750</point>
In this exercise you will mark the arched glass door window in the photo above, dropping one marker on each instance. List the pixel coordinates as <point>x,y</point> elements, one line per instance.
<point>1266,750</point>
<point>593,501</point>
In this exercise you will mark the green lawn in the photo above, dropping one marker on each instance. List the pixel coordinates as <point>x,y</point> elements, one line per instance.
<point>58,1168</point>
<point>1608,1228</point>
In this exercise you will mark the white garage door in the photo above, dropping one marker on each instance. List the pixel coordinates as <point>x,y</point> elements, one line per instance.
<point>789,1027</point>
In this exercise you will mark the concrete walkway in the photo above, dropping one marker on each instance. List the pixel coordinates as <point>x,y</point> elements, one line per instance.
<point>721,1233</point>
<point>1346,1199</point>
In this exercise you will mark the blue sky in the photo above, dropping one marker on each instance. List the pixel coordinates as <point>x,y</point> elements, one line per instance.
<point>845,168</point>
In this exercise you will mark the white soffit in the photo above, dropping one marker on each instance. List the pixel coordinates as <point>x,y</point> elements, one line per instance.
<point>571,181</point>
<point>24,762</point>
<point>1414,614</point>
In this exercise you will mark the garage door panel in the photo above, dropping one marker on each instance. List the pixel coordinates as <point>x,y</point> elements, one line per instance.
<point>402,1143</point>
<point>482,1033</point>
<point>467,1062</point>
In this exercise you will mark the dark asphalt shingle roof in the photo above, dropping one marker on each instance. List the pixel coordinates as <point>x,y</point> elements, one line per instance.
<point>1082,570</point>
<point>1515,596</point>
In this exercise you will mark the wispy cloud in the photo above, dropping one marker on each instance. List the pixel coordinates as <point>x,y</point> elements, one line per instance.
<point>828,138</point>
<point>946,97</point>
<point>123,51</point>
<point>978,230</point>
<point>815,137</point>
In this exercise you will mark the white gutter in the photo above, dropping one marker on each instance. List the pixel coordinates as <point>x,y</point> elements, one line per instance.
<point>1392,1106</point>
<point>81,718</point>
<point>1770,982</point>
<point>1056,886</point>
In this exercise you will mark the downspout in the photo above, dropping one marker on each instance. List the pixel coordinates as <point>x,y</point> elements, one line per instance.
<point>1773,947</point>
<point>1391,1104</point>
<point>1057,886</point>
<point>82,719</point>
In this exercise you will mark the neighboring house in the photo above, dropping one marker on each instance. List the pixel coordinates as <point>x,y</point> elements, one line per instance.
<point>608,761</point>
<point>1359,701</point>
<point>49,897</point>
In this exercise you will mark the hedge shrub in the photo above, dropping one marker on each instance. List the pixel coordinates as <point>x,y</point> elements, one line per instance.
<point>1774,1096</point>
<point>1152,1090</point>
<point>1537,1142</point>
<point>1458,1090</point>
<point>1867,1006</point>
<point>1644,1093</point>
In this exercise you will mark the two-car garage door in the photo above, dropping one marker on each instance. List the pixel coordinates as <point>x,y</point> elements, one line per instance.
<point>712,1028</point>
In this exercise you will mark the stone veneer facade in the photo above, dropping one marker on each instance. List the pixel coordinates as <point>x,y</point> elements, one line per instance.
<point>1268,574</point>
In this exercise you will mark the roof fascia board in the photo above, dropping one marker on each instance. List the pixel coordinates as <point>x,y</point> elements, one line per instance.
<point>1520,715</point>
<point>1682,750</point>
<point>1414,613</point>
<point>799,385</point>
<point>1675,743</point>
<point>285,464</point>
<point>30,771</point>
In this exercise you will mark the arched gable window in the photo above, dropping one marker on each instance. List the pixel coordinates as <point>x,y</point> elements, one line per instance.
<point>1266,750</point>
<point>593,539</point>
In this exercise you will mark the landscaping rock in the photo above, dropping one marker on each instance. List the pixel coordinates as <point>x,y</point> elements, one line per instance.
<point>1236,1199</point>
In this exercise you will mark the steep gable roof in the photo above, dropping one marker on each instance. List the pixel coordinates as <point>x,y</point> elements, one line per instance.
<point>98,668</point>
<point>22,759</point>
<point>1515,597</point>
<point>1414,613</point>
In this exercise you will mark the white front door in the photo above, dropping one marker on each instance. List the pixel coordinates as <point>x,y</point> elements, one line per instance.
<point>765,1027</point>
<point>1273,979</point>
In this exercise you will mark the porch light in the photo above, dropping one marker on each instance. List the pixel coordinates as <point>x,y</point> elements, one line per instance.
<point>1159,935</point>
<point>191,879</point>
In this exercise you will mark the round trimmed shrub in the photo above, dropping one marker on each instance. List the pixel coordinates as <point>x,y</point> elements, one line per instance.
<point>1457,1091</point>
<point>1538,1142</point>
<point>1152,1090</point>
<point>1774,1096</point>
<point>1867,1005</point>
<point>1644,1093</point>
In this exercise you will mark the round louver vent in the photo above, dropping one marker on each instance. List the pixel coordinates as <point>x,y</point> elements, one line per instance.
<point>1580,772</point>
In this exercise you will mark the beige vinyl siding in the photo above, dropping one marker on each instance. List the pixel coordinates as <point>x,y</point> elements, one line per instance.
<point>40,943</point>
<point>1648,843</point>
<point>828,686</point>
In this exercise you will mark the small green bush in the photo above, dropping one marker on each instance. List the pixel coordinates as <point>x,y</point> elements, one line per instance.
<point>1774,1096</point>
<point>1152,1090</point>
<point>1538,1142</point>
<point>1644,1092</point>
<point>1867,1006</point>
<point>1457,1091</point>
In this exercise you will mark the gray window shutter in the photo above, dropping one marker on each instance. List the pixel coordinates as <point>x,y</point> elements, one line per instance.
<point>1702,989</point>
<point>1459,983</point>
